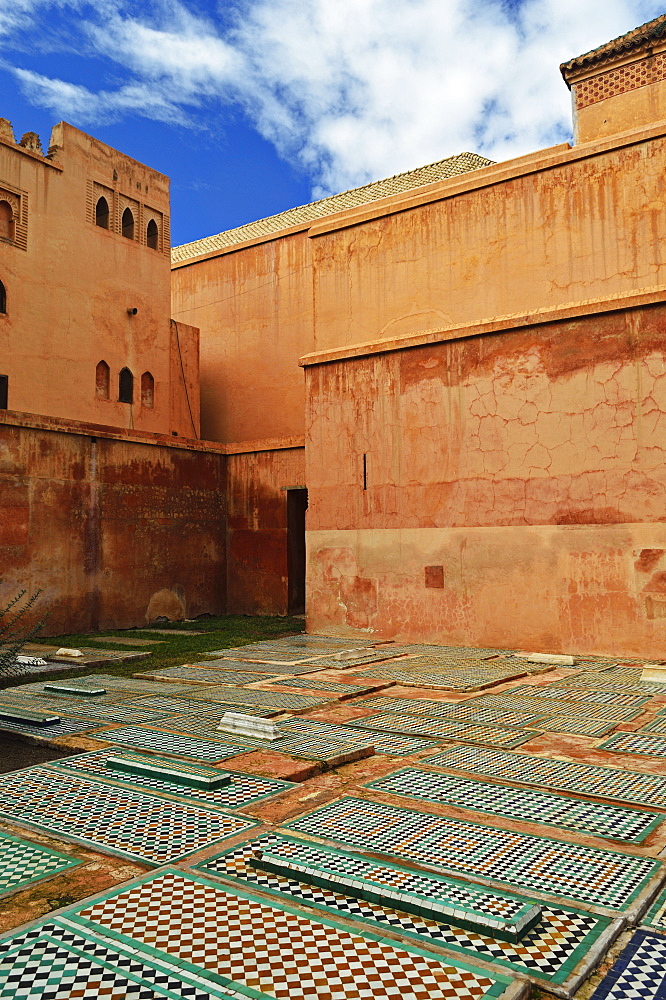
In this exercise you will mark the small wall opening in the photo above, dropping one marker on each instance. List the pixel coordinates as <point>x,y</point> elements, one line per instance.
<point>152,235</point>
<point>4,391</point>
<point>102,380</point>
<point>6,221</point>
<point>147,390</point>
<point>102,215</point>
<point>297,505</point>
<point>128,224</point>
<point>125,386</point>
<point>3,299</point>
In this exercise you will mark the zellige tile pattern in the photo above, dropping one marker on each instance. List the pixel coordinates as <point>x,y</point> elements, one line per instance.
<point>652,746</point>
<point>444,729</point>
<point>382,742</point>
<point>22,862</point>
<point>616,822</point>
<point>126,821</point>
<point>586,779</point>
<point>277,950</point>
<point>538,864</point>
<point>547,952</point>
<point>171,743</point>
<point>244,789</point>
<point>639,973</point>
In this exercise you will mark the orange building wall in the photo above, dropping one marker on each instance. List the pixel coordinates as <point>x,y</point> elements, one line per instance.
<point>113,531</point>
<point>257,578</point>
<point>69,291</point>
<point>560,227</point>
<point>516,489</point>
<point>253,305</point>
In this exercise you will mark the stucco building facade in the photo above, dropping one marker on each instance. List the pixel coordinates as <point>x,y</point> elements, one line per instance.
<point>464,366</point>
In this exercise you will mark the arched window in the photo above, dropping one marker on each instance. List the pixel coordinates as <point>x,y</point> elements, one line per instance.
<point>152,235</point>
<point>3,299</point>
<point>128,224</point>
<point>147,390</point>
<point>6,221</point>
<point>125,386</point>
<point>102,380</point>
<point>102,213</point>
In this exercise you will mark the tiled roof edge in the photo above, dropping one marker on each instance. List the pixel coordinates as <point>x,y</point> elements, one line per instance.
<point>398,183</point>
<point>624,44</point>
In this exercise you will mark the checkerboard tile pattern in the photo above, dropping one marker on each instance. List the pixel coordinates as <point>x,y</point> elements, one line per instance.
<point>126,821</point>
<point>126,712</point>
<point>604,782</point>
<point>63,728</point>
<point>565,722</point>
<point>639,973</point>
<point>22,862</point>
<point>443,729</point>
<point>281,952</point>
<point>54,962</point>
<point>583,874</point>
<point>616,822</point>
<point>371,656</point>
<point>658,725</point>
<point>607,682</point>
<point>547,952</point>
<point>321,685</point>
<point>468,711</point>
<point>458,676</point>
<point>587,696</point>
<point>205,675</point>
<point>382,742</point>
<point>193,707</point>
<point>652,746</point>
<point>252,696</point>
<point>170,743</point>
<point>243,790</point>
<point>260,667</point>
<point>657,915</point>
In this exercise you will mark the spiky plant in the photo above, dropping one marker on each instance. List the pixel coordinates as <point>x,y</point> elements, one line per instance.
<point>16,631</point>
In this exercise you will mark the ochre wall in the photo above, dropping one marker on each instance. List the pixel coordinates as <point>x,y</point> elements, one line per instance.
<point>101,526</point>
<point>253,306</point>
<point>559,227</point>
<point>69,291</point>
<point>257,528</point>
<point>529,465</point>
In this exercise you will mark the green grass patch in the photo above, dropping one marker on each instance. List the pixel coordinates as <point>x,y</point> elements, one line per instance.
<point>221,632</point>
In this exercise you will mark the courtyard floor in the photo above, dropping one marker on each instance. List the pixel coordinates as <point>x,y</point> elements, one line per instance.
<point>431,822</point>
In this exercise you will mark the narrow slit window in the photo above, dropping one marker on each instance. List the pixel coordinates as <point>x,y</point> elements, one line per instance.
<point>102,380</point>
<point>102,214</point>
<point>152,235</point>
<point>3,299</point>
<point>6,221</point>
<point>4,388</point>
<point>128,224</point>
<point>365,472</point>
<point>147,390</point>
<point>125,386</point>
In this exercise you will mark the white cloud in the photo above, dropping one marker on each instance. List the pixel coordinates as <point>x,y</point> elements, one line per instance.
<point>350,89</point>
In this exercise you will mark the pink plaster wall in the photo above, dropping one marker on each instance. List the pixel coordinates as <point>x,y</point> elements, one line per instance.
<point>530,465</point>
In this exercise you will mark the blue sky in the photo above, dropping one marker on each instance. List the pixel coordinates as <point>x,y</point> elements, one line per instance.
<point>254,106</point>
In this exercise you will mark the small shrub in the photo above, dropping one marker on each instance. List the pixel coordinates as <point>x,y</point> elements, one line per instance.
<point>16,631</point>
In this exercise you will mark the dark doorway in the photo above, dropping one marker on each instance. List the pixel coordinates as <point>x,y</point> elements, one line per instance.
<point>297,504</point>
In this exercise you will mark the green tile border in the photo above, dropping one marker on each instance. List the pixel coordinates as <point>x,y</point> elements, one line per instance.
<point>659,902</point>
<point>657,863</point>
<point>417,766</point>
<point>502,981</point>
<point>560,977</point>
<point>184,796</point>
<point>68,862</point>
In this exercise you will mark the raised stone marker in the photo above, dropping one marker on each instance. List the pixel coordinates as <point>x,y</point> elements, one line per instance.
<point>249,725</point>
<point>29,716</point>
<point>66,651</point>
<point>510,927</point>
<point>86,692</point>
<point>176,772</point>
<point>554,658</point>
<point>655,672</point>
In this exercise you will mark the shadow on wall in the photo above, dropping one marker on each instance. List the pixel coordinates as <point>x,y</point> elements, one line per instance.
<point>167,604</point>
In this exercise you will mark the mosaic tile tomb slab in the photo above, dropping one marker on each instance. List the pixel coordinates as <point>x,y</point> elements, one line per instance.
<point>583,874</point>
<point>642,743</point>
<point>160,741</point>
<point>22,863</point>
<point>125,821</point>
<point>615,822</point>
<point>232,935</point>
<point>547,952</point>
<point>444,728</point>
<point>244,789</point>
<point>639,972</point>
<point>604,782</point>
